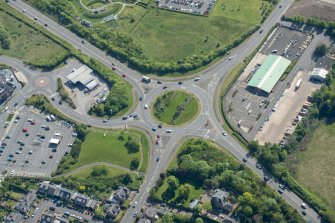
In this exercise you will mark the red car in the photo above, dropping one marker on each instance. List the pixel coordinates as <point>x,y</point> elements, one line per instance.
<point>157,142</point>
<point>158,136</point>
<point>24,130</point>
<point>124,75</point>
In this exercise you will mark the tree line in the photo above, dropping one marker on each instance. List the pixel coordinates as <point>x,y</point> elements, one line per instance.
<point>200,163</point>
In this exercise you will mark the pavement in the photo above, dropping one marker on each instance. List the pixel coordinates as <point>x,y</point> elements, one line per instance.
<point>206,89</point>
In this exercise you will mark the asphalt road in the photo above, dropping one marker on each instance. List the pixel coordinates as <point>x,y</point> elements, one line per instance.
<point>205,89</point>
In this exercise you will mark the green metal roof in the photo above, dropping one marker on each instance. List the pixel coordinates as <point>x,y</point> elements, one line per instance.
<point>267,76</point>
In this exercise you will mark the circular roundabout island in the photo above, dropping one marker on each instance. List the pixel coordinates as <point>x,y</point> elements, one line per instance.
<point>176,107</point>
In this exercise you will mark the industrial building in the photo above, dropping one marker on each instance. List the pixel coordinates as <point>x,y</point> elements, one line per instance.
<point>269,73</point>
<point>83,76</point>
<point>318,74</point>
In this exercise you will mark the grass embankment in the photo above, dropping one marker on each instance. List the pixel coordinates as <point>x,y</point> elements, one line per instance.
<point>314,166</point>
<point>30,45</point>
<point>176,107</point>
<point>64,94</point>
<point>111,147</point>
<point>109,173</point>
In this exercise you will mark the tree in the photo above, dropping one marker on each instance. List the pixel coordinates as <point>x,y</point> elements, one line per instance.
<point>320,50</point>
<point>184,191</point>
<point>4,38</point>
<point>173,182</point>
<point>132,146</point>
<point>199,220</point>
<point>167,218</point>
<point>99,171</point>
<point>134,163</point>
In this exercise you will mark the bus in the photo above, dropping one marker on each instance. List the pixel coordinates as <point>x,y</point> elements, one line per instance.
<point>146,79</point>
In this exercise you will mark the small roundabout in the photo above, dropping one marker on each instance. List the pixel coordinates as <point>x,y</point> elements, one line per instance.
<point>175,107</point>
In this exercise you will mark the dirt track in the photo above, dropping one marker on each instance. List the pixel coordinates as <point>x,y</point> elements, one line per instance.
<point>322,9</point>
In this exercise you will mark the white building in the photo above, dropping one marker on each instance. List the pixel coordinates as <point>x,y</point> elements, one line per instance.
<point>84,76</point>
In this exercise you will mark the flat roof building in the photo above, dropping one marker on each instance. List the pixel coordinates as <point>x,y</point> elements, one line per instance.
<point>84,76</point>
<point>267,76</point>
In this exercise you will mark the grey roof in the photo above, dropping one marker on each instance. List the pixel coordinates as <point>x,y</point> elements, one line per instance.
<point>113,211</point>
<point>25,203</point>
<point>80,199</point>
<point>13,217</point>
<point>220,194</point>
<point>144,220</point>
<point>43,186</point>
<point>194,203</point>
<point>65,194</point>
<point>47,218</point>
<point>83,75</point>
<point>150,212</point>
<point>53,190</point>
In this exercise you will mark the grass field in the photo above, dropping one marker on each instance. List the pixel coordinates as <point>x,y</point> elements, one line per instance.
<point>28,44</point>
<point>106,146</point>
<point>178,35</point>
<point>176,107</point>
<point>314,167</point>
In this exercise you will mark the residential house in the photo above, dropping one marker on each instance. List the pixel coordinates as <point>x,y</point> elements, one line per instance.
<point>144,220</point>
<point>121,194</point>
<point>13,217</point>
<point>53,190</point>
<point>25,203</point>
<point>65,194</point>
<point>80,199</point>
<point>220,200</point>
<point>113,211</point>
<point>43,187</point>
<point>151,213</point>
<point>47,218</point>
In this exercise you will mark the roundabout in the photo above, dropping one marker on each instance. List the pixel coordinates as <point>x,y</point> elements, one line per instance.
<point>175,107</point>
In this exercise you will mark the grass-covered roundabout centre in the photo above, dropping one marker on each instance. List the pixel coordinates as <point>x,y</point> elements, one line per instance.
<point>176,107</point>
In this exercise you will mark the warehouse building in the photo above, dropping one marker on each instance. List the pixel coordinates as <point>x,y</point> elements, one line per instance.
<point>318,74</point>
<point>83,76</point>
<point>269,73</point>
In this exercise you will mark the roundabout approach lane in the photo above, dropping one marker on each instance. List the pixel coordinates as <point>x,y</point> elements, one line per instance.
<point>211,79</point>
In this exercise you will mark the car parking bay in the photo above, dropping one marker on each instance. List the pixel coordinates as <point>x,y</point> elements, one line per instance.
<point>29,149</point>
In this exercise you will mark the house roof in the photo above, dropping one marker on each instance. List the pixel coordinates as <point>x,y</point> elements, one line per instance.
<point>267,76</point>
